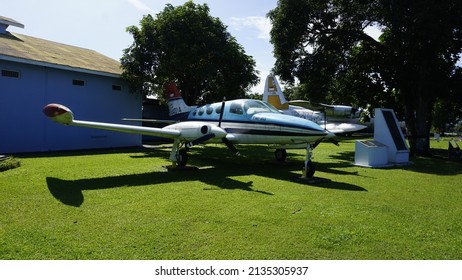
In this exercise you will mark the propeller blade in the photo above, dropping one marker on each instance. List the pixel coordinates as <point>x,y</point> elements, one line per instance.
<point>222,111</point>
<point>231,146</point>
<point>331,137</point>
<point>200,140</point>
<point>334,141</point>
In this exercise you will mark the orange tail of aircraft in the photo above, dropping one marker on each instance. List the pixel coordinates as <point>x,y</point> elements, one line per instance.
<point>273,94</point>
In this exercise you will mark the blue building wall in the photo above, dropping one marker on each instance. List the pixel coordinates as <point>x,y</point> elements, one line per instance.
<point>24,128</point>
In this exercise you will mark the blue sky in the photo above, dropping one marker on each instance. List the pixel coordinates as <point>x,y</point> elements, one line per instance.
<point>100,24</point>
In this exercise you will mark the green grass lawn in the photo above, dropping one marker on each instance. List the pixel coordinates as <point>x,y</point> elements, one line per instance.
<point>124,205</point>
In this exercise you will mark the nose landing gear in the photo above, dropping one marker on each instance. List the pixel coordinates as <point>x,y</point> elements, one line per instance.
<point>309,169</point>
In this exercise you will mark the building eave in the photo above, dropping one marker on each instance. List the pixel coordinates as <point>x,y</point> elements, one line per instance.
<point>57,66</point>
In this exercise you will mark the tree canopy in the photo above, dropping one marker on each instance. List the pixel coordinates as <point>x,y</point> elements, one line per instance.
<point>324,45</point>
<point>185,44</point>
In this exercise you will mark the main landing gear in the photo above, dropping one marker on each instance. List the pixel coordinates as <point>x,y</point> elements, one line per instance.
<point>280,155</point>
<point>178,156</point>
<point>182,158</point>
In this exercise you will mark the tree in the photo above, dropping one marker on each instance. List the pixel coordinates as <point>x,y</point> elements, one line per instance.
<point>447,110</point>
<point>186,45</point>
<point>324,45</point>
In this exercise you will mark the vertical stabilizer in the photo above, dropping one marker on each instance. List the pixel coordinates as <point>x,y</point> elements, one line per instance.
<point>273,94</point>
<point>176,104</point>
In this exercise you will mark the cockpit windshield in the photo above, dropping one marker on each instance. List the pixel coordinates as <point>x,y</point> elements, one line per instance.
<point>255,106</point>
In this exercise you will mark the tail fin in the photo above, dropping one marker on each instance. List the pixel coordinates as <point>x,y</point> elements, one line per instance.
<point>273,94</point>
<point>176,104</point>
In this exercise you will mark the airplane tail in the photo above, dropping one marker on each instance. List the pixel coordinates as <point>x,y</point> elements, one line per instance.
<point>273,94</point>
<point>176,104</point>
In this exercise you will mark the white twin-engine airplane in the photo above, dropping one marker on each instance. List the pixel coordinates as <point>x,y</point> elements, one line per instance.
<point>338,119</point>
<point>242,121</point>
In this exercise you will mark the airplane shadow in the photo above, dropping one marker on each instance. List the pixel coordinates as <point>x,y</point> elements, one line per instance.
<point>340,186</point>
<point>70,192</point>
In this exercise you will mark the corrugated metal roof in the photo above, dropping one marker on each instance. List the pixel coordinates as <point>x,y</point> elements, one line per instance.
<point>40,51</point>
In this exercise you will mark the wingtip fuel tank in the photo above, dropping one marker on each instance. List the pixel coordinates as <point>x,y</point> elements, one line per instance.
<point>59,113</point>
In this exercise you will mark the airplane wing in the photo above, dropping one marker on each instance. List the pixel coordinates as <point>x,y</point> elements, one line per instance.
<point>341,128</point>
<point>150,121</point>
<point>306,104</point>
<point>63,115</point>
<point>190,133</point>
<point>318,106</point>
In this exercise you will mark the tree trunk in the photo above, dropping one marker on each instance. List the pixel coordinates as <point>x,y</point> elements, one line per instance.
<point>418,122</point>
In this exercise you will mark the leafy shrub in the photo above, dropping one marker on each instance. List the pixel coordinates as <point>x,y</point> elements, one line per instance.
<point>9,163</point>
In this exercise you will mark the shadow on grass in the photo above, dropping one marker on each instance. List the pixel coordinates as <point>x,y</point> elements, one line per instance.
<point>434,165</point>
<point>83,152</point>
<point>437,164</point>
<point>257,161</point>
<point>340,186</point>
<point>69,192</point>
<point>345,157</point>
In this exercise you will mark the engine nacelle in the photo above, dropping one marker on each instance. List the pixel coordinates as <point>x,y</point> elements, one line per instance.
<point>193,130</point>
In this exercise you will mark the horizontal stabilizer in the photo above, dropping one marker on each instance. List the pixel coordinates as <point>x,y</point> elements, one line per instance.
<point>306,104</point>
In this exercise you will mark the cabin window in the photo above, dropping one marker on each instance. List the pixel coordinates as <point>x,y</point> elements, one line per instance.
<point>209,110</point>
<point>78,83</point>
<point>10,73</point>
<point>117,87</point>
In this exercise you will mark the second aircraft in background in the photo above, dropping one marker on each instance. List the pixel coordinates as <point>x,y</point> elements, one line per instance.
<point>338,119</point>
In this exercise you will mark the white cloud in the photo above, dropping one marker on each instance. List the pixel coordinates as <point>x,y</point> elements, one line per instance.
<point>140,6</point>
<point>262,24</point>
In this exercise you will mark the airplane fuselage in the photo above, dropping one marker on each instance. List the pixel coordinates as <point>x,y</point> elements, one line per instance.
<point>254,122</point>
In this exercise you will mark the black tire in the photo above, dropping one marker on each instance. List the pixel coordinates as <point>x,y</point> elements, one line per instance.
<point>280,154</point>
<point>311,169</point>
<point>182,158</point>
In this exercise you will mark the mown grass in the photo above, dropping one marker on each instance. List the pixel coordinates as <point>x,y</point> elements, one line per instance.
<point>123,204</point>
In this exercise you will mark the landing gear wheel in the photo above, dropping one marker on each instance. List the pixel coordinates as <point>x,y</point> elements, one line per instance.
<point>310,169</point>
<point>280,154</point>
<point>182,158</point>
